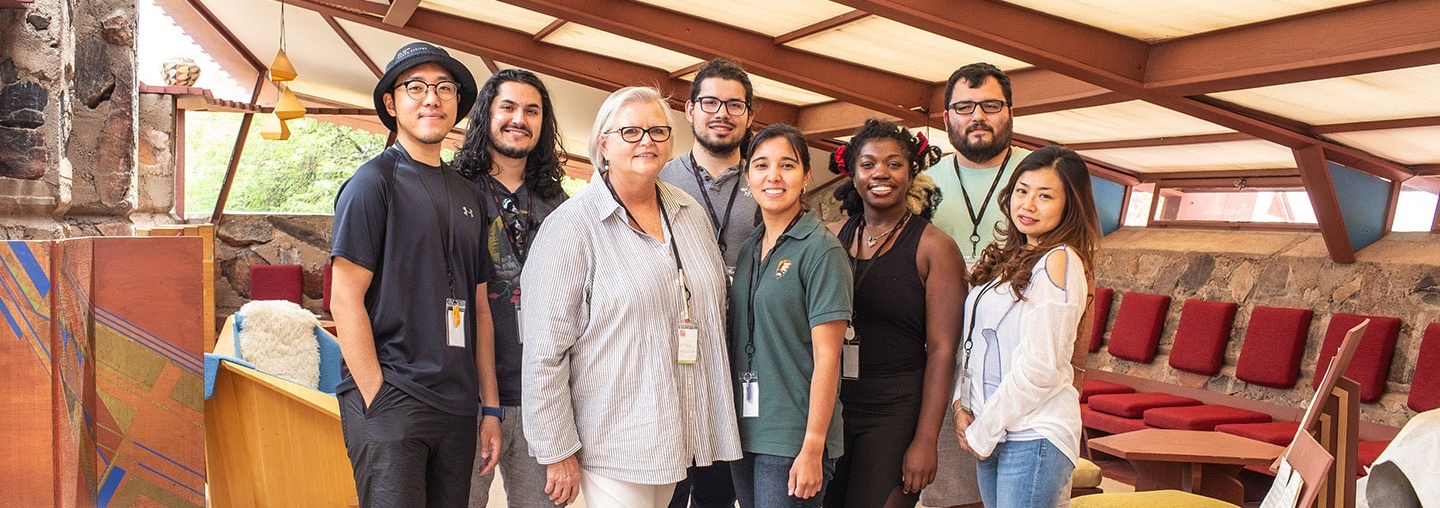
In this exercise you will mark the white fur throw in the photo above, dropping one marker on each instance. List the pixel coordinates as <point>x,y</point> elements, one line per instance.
<point>279,338</point>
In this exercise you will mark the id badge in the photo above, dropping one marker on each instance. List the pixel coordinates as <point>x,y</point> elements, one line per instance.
<point>850,356</point>
<point>455,322</point>
<point>519,323</point>
<point>750,395</point>
<point>965,402</point>
<point>687,347</point>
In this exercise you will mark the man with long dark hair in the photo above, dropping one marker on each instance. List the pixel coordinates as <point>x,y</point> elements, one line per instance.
<point>512,153</point>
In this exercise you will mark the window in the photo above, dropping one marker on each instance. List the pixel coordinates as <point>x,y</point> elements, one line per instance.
<point>1415,210</point>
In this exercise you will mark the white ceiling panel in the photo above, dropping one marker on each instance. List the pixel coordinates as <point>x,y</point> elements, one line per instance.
<point>1113,122</point>
<point>777,91</point>
<point>1202,157</point>
<point>779,17</point>
<point>493,12</point>
<point>319,55</point>
<point>1388,95</point>
<point>591,40</point>
<point>1160,20</point>
<point>888,45</point>
<point>1418,145</point>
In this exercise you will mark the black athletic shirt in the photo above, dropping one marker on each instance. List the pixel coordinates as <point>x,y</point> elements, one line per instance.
<point>890,304</point>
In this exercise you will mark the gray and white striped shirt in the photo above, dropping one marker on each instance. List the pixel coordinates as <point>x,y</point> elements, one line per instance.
<point>601,314</point>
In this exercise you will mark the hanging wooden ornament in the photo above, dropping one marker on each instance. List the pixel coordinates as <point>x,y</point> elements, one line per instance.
<point>288,107</point>
<point>274,129</point>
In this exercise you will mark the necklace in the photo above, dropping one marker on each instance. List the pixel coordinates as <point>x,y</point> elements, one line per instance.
<point>872,239</point>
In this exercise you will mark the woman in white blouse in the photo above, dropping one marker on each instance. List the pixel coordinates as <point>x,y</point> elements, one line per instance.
<point>1016,408</point>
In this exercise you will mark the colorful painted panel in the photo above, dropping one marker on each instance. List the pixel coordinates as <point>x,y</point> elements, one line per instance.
<point>26,401</point>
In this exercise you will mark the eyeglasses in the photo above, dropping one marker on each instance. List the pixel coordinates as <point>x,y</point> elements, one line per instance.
<point>735,107</point>
<point>967,107</point>
<point>658,134</point>
<point>417,89</point>
<point>514,219</point>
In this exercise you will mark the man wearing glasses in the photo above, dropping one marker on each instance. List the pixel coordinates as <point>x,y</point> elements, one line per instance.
<point>720,114</point>
<point>410,266</point>
<point>512,153</point>
<point>978,120</point>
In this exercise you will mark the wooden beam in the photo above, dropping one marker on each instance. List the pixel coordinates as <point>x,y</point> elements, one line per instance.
<point>1427,169</point>
<point>180,162</point>
<point>400,11</point>
<point>1163,141</point>
<point>1097,167</point>
<point>1376,125</point>
<point>354,47</point>
<point>835,119</point>
<point>14,4</point>
<point>1391,207</point>
<point>1364,38</point>
<point>515,47</point>
<point>235,152</point>
<point>549,29</point>
<point>1435,224</point>
<point>821,26</point>
<point>490,64</point>
<point>1315,173</point>
<point>227,35</point>
<point>1232,183</point>
<point>863,86</point>
<point>1228,173</point>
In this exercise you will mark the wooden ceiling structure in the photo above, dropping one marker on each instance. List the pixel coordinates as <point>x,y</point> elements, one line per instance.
<point>1285,93</point>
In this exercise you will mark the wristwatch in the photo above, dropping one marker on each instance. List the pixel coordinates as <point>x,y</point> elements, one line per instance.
<point>498,413</point>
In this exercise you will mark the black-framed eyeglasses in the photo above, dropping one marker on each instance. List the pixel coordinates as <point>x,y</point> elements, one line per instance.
<point>735,107</point>
<point>417,89</point>
<point>513,217</point>
<point>658,133</point>
<point>990,107</point>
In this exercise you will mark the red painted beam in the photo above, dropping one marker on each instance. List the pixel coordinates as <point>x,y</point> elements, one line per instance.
<point>1315,174</point>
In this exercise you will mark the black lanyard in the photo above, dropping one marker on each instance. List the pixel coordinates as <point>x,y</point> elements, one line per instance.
<point>855,241</point>
<point>720,225</point>
<point>447,226</point>
<point>519,241</point>
<point>756,266</point>
<point>674,250</point>
<point>974,217</point>
<point>970,332</point>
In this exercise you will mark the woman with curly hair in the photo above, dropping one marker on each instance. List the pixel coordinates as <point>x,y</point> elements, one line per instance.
<point>1016,408</point>
<point>909,280</point>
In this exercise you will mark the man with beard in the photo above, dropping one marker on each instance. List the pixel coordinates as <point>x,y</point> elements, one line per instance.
<point>410,267</point>
<point>720,115</point>
<point>978,120</point>
<point>512,153</point>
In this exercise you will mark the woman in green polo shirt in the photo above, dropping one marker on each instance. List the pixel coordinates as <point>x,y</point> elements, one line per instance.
<point>788,313</point>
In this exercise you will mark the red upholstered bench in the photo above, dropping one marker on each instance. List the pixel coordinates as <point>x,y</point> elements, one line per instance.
<point>276,282</point>
<point>1425,384</point>
<point>1366,453</point>
<point>1109,423</point>
<point>1204,417</point>
<point>1276,433</point>
<point>1274,343</point>
<point>1098,387</point>
<point>1372,359</point>
<point>1134,405</point>
<point>1102,316</point>
<point>1136,334</point>
<point>325,288</point>
<point>1201,336</point>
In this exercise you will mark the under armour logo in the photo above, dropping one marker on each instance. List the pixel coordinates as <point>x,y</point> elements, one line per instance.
<point>467,211</point>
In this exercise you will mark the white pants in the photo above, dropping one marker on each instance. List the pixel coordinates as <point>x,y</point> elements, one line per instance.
<point>602,492</point>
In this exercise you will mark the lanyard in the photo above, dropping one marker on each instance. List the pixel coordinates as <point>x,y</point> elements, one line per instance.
<point>674,250</point>
<point>447,226</point>
<point>519,240</point>
<point>755,278</point>
<point>855,241</point>
<point>974,217</point>
<point>720,225</point>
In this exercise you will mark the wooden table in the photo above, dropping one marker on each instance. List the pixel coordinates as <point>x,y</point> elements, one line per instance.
<point>1197,461</point>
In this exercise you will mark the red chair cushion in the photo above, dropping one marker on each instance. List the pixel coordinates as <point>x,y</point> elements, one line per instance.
<point>275,282</point>
<point>1274,342</point>
<point>1366,453</point>
<point>1372,359</point>
<point>1276,433</point>
<point>1102,316</point>
<point>1425,385</point>
<point>1137,326</point>
<point>1109,423</point>
<point>325,289</point>
<point>1204,417</point>
<point>1098,387</point>
<point>1201,336</point>
<point>1134,405</point>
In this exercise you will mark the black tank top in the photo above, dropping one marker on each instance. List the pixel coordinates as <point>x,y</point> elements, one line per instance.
<point>890,303</point>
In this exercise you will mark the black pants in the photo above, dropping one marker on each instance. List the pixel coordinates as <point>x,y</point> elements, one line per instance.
<point>705,487</point>
<point>406,453</point>
<point>880,414</point>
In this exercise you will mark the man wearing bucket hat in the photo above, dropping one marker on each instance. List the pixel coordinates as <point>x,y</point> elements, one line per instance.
<point>409,265</point>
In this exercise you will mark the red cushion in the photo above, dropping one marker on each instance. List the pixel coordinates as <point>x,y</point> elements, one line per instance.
<point>1138,325</point>
<point>1134,405</point>
<point>1366,453</point>
<point>1274,342</point>
<point>1425,385</point>
<point>1276,433</point>
<point>1204,417</point>
<point>1109,423</point>
<point>1372,359</point>
<point>1201,336</point>
<point>275,282</point>
<point>1098,387</point>
<point>1102,316</point>
<point>325,289</point>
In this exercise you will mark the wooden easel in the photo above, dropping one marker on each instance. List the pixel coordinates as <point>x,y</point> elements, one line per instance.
<point>1326,462</point>
<point>1339,433</point>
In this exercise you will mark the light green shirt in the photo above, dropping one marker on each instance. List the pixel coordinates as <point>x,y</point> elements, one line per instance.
<point>953,218</point>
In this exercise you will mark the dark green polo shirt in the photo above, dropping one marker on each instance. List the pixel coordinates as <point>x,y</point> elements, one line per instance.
<point>805,281</point>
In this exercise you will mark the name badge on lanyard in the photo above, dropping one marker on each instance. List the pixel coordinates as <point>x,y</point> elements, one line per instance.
<point>455,322</point>
<point>750,395</point>
<point>850,355</point>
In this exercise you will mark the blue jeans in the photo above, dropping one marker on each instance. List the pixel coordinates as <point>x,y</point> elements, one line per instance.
<point>1023,474</point>
<point>763,481</point>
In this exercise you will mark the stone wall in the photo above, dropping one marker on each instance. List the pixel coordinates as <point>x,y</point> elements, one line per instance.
<point>250,239</point>
<point>1394,277</point>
